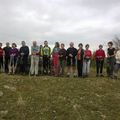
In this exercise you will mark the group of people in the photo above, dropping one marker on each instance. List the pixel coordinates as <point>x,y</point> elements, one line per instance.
<point>58,61</point>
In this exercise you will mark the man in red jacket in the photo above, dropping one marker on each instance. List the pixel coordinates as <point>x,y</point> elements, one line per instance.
<point>99,57</point>
<point>1,57</point>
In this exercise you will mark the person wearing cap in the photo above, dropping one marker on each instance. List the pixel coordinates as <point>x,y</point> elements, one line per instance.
<point>24,54</point>
<point>35,51</point>
<point>6,50</point>
<point>99,57</point>
<point>1,57</point>
<point>117,65</point>
<point>87,61</point>
<point>13,59</point>
<point>110,59</point>
<point>80,57</point>
<point>71,60</point>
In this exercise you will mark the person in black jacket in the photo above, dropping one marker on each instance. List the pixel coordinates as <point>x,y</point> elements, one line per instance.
<point>110,59</point>
<point>7,56</point>
<point>24,54</point>
<point>80,58</point>
<point>71,60</point>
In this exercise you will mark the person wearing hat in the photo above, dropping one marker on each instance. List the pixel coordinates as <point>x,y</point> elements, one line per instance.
<point>80,58</point>
<point>13,58</point>
<point>117,65</point>
<point>87,61</point>
<point>71,60</point>
<point>99,57</point>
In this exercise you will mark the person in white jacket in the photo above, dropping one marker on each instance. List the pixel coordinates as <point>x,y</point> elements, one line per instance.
<point>117,65</point>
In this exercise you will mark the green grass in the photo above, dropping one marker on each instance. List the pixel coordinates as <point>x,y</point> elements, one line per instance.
<point>53,98</point>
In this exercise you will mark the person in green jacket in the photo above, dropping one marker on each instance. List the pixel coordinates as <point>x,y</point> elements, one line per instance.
<point>46,54</point>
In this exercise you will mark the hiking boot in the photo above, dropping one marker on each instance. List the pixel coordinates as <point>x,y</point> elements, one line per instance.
<point>31,74</point>
<point>111,77</point>
<point>101,75</point>
<point>9,73</point>
<point>97,75</point>
<point>115,77</point>
<point>84,76</point>
<point>68,74</point>
<point>75,75</point>
<point>36,75</point>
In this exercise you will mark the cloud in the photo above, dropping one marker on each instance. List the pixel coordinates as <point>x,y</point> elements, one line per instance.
<point>87,21</point>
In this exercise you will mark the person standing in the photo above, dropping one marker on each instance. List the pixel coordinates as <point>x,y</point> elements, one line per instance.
<point>80,57</point>
<point>117,65</point>
<point>41,61</point>
<point>46,54</point>
<point>110,59</point>
<point>24,54</point>
<point>7,56</point>
<point>1,58</point>
<point>99,57</point>
<point>55,58</point>
<point>13,59</point>
<point>62,59</point>
<point>35,51</point>
<point>87,61</point>
<point>71,60</point>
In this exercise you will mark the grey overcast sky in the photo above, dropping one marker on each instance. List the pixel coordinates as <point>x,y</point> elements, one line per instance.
<point>86,21</point>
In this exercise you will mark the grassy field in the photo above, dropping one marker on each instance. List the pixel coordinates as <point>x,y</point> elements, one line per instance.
<point>53,98</point>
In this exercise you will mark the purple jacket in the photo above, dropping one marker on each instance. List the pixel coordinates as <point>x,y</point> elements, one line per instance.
<point>13,52</point>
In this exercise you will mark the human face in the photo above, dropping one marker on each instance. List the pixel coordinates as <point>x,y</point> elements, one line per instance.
<point>34,43</point>
<point>13,45</point>
<point>109,45</point>
<point>46,43</point>
<point>62,46</point>
<point>71,44</point>
<point>56,44</point>
<point>80,47</point>
<point>23,43</point>
<point>7,44</point>
<point>100,47</point>
<point>87,47</point>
